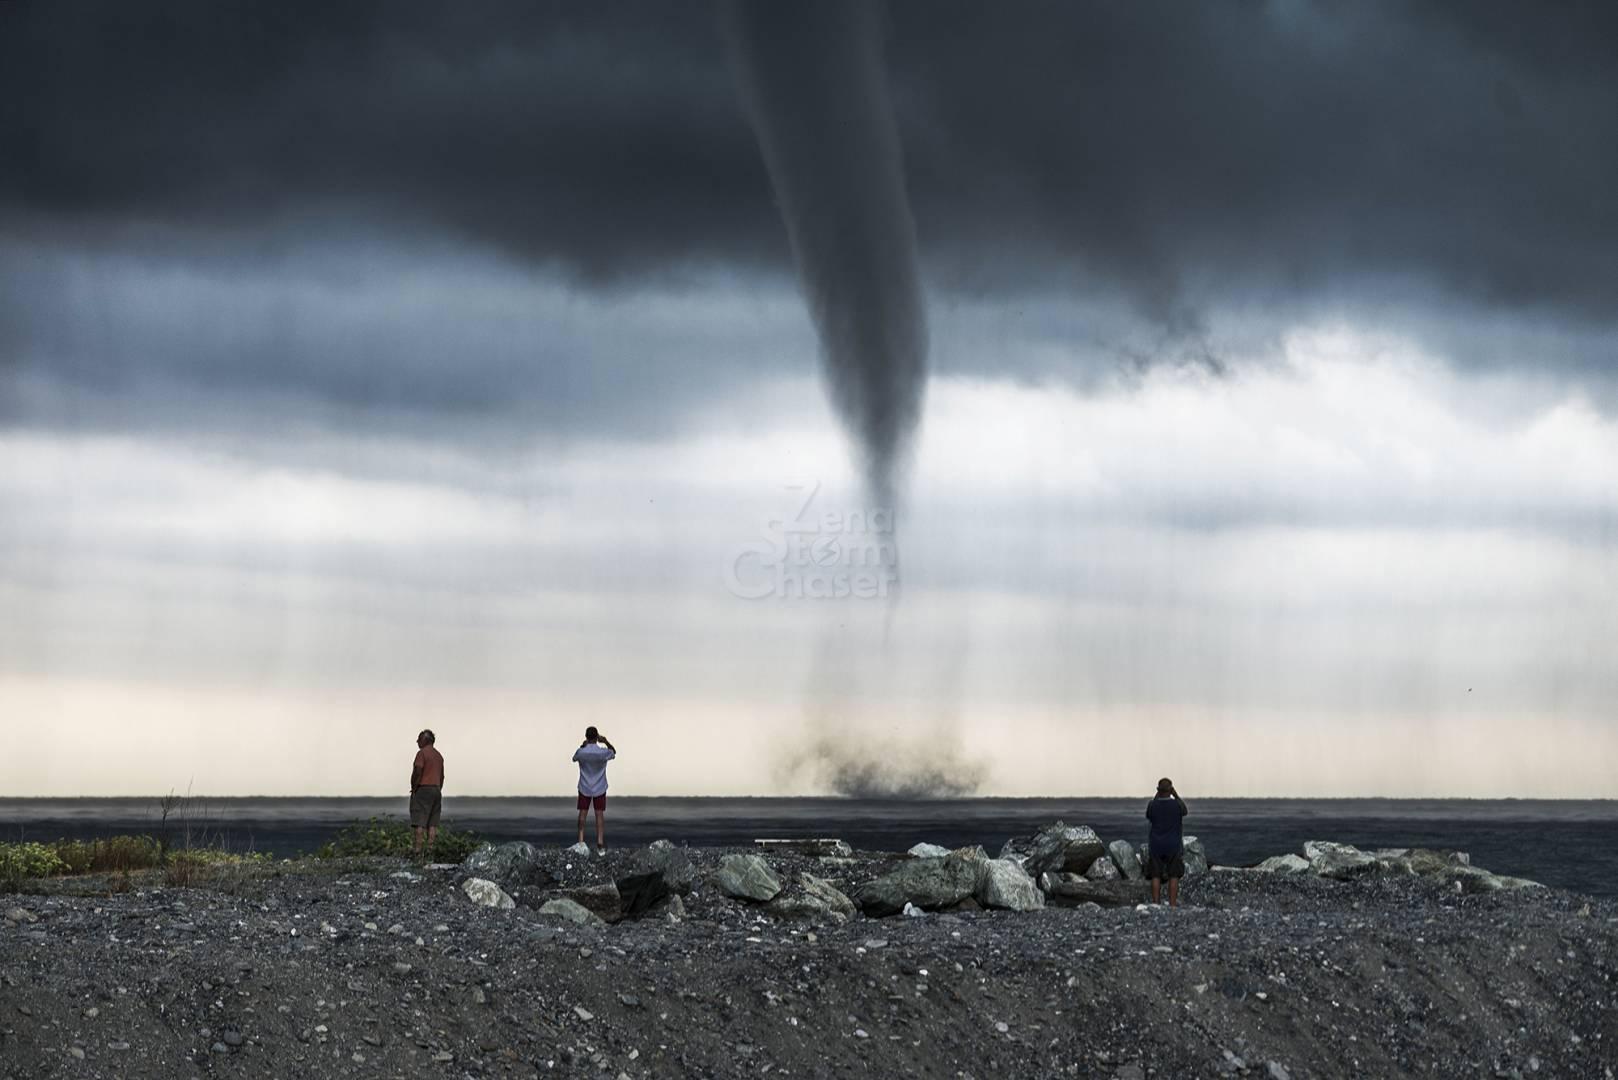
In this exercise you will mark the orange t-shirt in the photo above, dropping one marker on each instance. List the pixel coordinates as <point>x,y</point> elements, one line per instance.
<point>429,768</point>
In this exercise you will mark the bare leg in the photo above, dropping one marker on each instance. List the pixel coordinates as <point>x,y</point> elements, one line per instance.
<point>415,847</point>
<point>601,828</point>
<point>1157,890</point>
<point>582,815</point>
<point>1174,892</point>
<point>432,836</point>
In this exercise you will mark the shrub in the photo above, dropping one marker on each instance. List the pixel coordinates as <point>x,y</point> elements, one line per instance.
<point>19,862</point>
<point>392,837</point>
<point>114,854</point>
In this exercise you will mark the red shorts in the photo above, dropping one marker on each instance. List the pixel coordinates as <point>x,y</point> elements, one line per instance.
<point>600,802</point>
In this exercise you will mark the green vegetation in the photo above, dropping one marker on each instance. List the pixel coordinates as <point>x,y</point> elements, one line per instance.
<point>113,854</point>
<point>382,836</point>
<point>120,855</point>
<point>19,862</point>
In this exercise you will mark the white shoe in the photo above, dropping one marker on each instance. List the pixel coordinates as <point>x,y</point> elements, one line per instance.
<point>601,849</point>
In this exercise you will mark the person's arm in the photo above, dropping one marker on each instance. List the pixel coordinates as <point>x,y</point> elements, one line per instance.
<point>1185,811</point>
<point>415,774</point>
<point>608,744</point>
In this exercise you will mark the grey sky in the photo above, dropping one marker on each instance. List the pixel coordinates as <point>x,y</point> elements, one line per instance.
<point>379,363</point>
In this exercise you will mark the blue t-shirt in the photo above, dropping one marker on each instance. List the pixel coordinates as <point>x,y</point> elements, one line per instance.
<point>1165,814</point>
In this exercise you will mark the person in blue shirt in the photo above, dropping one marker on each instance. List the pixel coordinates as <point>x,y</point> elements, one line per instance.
<point>592,755</point>
<point>1164,850</point>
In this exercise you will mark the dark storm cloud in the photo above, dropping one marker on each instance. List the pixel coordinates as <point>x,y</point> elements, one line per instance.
<point>1184,160</point>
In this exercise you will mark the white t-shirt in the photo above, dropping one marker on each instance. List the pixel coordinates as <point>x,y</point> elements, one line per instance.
<point>592,759</point>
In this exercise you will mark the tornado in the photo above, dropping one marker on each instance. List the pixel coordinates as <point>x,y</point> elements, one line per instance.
<point>813,86</point>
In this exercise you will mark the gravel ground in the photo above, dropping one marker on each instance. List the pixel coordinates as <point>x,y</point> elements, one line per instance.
<point>372,968</point>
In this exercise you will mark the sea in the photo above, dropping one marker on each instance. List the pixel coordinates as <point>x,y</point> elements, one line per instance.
<point>1564,843</point>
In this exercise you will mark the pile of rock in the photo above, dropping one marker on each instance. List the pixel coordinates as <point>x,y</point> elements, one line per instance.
<point>1342,862</point>
<point>1061,864</point>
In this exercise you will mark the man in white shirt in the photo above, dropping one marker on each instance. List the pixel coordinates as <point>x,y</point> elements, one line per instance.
<point>592,756</point>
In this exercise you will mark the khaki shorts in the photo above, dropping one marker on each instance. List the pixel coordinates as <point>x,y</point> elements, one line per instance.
<point>425,803</point>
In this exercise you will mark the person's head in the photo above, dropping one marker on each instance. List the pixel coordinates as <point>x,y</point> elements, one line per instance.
<point>1165,786</point>
<point>426,738</point>
<point>591,734</point>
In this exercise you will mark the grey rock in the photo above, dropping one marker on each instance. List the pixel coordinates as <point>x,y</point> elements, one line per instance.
<point>1339,861</point>
<point>1276,1071</point>
<point>604,901</point>
<point>486,893</point>
<point>928,851</point>
<point>663,858</point>
<point>812,898</point>
<point>1103,870</point>
<point>1284,864</point>
<point>1073,891</point>
<point>580,848</point>
<point>929,884</point>
<point>1003,883</point>
<point>1058,847</point>
<point>509,865</point>
<point>974,851</point>
<point>1124,858</point>
<point>232,1037</point>
<point>746,877</point>
<point>1194,855</point>
<point>569,911</point>
<point>20,915</point>
<point>824,847</point>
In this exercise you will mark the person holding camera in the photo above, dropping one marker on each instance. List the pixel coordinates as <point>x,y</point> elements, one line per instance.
<point>592,755</point>
<point>1165,847</point>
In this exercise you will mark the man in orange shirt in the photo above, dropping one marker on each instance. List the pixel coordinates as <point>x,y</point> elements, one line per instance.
<point>426,790</point>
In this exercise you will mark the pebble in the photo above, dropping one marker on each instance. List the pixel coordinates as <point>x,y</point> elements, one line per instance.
<point>583,1013</point>
<point>77,1052</point>
<point>232,1037</point>
<point>403,968</point>
<point>1277,1071</point>
<point>119,1045</point>
<point>1001,1026</point>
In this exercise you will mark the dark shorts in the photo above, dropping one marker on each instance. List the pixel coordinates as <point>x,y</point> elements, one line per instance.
<point>425,803</point>
<point>1165,866</point>
<point>598,801</point>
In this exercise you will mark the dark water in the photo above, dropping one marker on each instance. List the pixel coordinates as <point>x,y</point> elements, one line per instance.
<point>1564,843</point>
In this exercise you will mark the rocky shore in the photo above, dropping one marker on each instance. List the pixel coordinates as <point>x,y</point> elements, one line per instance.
<point>809,959</point>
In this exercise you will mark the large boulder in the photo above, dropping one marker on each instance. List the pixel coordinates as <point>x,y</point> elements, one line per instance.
<point>1105,870</point>
<point>929,884</point>
<point>1284,864</point>
<point>1057,848</point>
<point>746,877</point>
<point>927,851</point>
<point>1338,861</point>
<point>1003,883</point>
<point>656,872</point>
<point>1123,856</point>
<point>662,857</point>
<point>602,901</point>
<point>511,864</point>
<point>1194,855</point>
<point>486,893</point>
<point>568,911</point>
<point>809,897</point>
<point>1071,890</point>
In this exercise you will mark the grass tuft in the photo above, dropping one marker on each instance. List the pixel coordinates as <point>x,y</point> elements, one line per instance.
<point>392,837</point>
